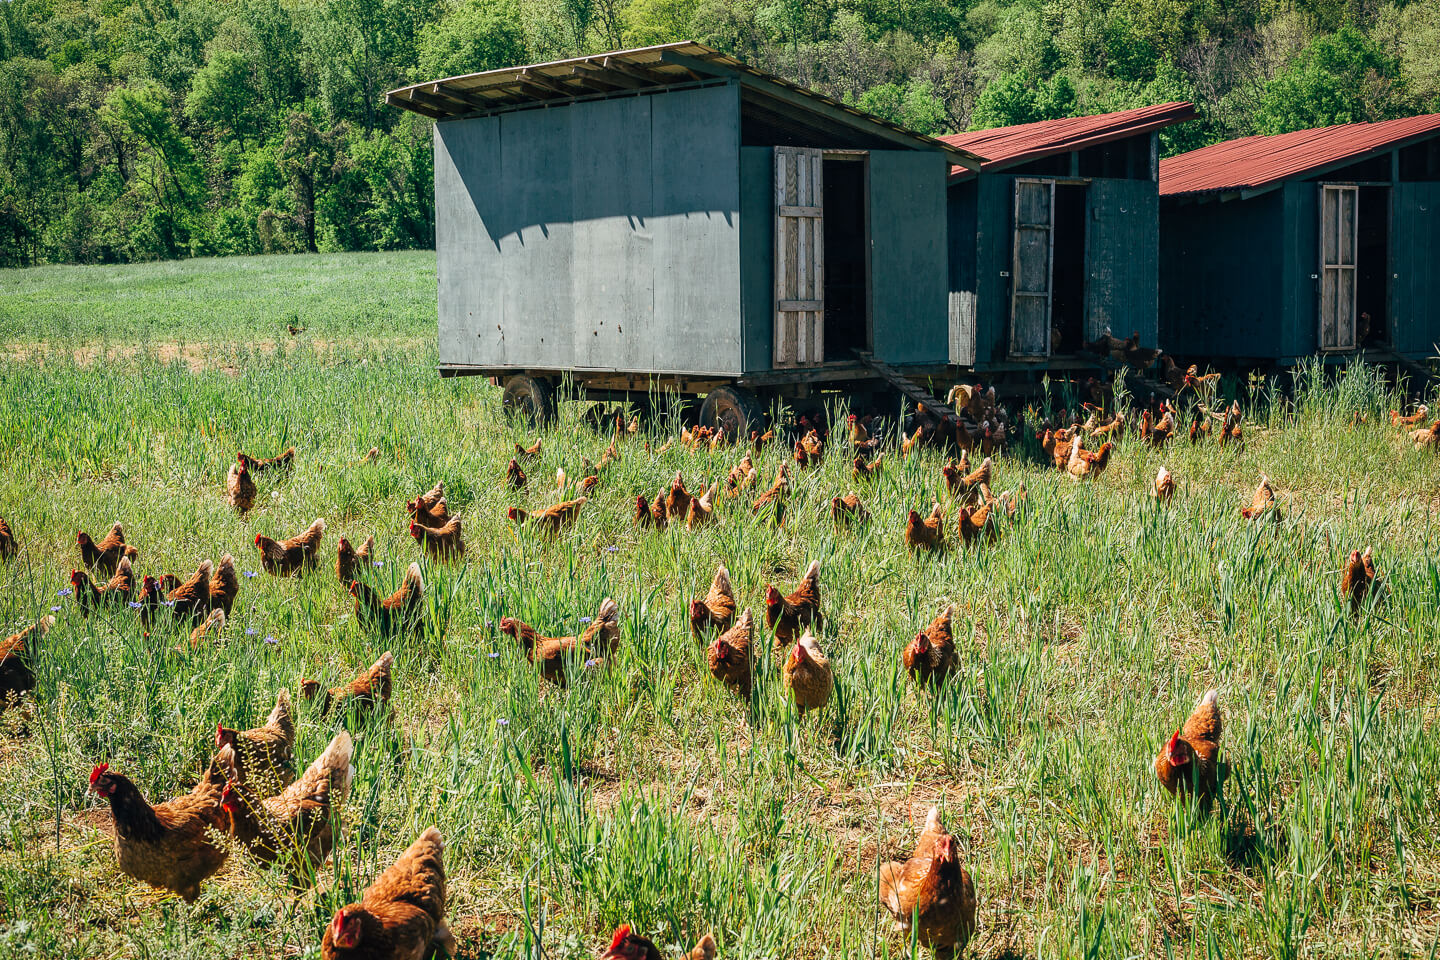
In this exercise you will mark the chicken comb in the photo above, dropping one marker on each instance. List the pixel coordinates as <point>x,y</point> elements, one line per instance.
<point>257,539</point>
<point>219,735</point>
<point>98,772</point>
<point>620,936</point>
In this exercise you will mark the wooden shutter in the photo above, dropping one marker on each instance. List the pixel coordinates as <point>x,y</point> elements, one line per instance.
<point>799,257</point>
<point>1030,281</point>
<point>1339,219</point>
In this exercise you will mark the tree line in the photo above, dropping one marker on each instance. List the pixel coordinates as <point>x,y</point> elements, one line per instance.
<point>147,129</point>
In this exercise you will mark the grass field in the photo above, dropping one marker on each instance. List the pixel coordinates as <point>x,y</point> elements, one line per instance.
<point>645,793</point>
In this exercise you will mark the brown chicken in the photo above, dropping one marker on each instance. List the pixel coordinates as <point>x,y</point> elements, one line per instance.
<point>729,655</point>
<point>348,559</point>
<point>284,557</point>
<point>429,508</point>
<point>210,629</point>
<point>297,826</point>
<point>786,615</point>
<point>1396,420</point>
<point>860,470</point>
<point>551,520</point>
<point>401,916</point>
<point>7,541</point>
<point>371,456</point>
<point>600,639</point>
<point>224,585</point>
<point>715,610</point>
<point>1161,433</point>
<point>677,501</point>
<point>647,515</point>
<point>1064,441</point>
<point>741,476</point>
<point>118,589</point>
<point>927,533</point>
<point>630,946</point>
<point>528,452</point>
<point>152,599</point>
<point>168,845</point>
<point>702,508</point>
<point>907,444</point>
<point>1428,438</point>
<point>16,674</point>
<point>442,544</point>
<point>1199,426</point>
<point>367,694</point>
<point>847,510</point>
<point>777,495</point>
<point>931,656</point>
<point>1232,430</point>
<point>1163,488</point>
<point>104,557</point>
<point>514,476</point>
<point>974,524</point>
<point>1190,761</point>
<point>1358,581</point>
<point>191,598</point>
<point>264,755</point>
<point>403,612</point>
<point>240,487</point>
<point>1263,502</point>
<point>808,676</point>
<point>1087,465</point>
<point>256,466</point>
<point>931,892</point>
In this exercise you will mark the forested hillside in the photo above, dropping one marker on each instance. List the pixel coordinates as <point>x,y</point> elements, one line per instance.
<point>144,129</point>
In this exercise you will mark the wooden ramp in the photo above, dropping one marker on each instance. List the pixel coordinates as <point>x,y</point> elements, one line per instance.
<point>912,390</point>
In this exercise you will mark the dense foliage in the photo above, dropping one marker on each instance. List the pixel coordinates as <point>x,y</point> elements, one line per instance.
<point>144,129</point>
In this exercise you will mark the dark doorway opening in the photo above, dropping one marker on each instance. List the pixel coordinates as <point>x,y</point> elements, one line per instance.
<point>847,261</point>
<point>1372,268</point>
<point>1067,308</point>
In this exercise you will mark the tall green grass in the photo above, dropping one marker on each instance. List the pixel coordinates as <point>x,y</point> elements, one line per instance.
<point>645,793</point>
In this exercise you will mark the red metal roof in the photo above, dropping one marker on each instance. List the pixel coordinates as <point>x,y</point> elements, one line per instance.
<point>1252,162</point>
<point>1006,146</point>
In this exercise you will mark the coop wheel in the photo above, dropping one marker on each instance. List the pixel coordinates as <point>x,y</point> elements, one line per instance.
<point>732,409</point>
<point>530,398</point>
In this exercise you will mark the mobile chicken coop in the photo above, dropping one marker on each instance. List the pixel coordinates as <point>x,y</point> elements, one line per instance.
<point>1053,240</point>
<point>671,218</point>
<point>1318,241</point>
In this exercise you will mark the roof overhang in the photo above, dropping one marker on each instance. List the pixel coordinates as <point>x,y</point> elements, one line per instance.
<point>650,70</point>
<point>1178,113</point>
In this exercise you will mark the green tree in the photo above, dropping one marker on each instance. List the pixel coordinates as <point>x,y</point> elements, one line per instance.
<point>1016,98</point>
<point>164,183</point>
<point>474,35</point>
<point>225,97</point>
<point>1340,78</point>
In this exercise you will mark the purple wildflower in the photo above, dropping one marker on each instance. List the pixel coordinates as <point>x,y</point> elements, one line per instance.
<point>591,663</point>
<point>250,573</point>
<point>586,619</point>
<point>503,722</point>
<point>53,609</point>
<point>250,631</point>
<point>271,640</point>
<point>135,604</point>
<point>65,593</point>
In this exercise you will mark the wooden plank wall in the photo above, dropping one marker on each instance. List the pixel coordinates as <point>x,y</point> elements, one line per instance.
<point>1122,259</point>
<point>1415,251</point>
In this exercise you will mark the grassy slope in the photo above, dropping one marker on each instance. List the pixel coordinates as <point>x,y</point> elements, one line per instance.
<point>644,793</point>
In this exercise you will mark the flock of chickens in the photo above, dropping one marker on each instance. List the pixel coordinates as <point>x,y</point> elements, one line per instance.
<point>251,794</point>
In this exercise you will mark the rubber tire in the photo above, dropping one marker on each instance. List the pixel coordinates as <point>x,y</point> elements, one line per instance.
<point>530,398</point>
<point>735,410</point>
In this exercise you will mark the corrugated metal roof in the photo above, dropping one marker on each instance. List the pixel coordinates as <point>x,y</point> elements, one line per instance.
<point>615,73</point>
<point>1007,146</point>
<point>1254,162</point>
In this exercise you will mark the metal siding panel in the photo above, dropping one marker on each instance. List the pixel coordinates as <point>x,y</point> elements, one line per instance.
<point>538,254</point>
<point>613,284</point>
<point>994,245</point>
<point>1300,298</point>
<point>696,190</point>
<point>1415,250</point>
<point>757,258</point>
<point>469,274</point>
<point>1221,277</point>
<point>1122,259</point>
<point>909,273</point>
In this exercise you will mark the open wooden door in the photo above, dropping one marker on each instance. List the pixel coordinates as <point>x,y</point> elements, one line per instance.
<point>1339,217</point>
<point>799,257</point>
<point>1031,270</point>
